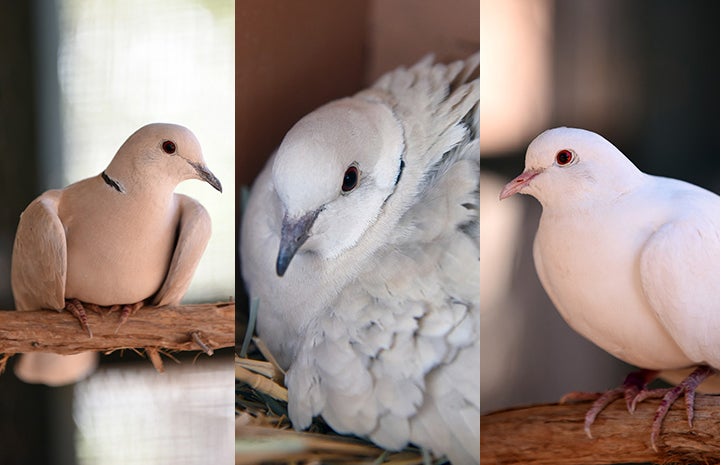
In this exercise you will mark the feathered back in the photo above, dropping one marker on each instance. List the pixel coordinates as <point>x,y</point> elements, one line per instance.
<point>437,105</point>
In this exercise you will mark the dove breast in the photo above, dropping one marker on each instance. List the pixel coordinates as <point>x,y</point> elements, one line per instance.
<point>630,260</point>
<point>106,264</point>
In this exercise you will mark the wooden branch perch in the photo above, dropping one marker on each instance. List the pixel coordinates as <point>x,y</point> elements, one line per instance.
<point>553,434</point>
<point>203,327</point>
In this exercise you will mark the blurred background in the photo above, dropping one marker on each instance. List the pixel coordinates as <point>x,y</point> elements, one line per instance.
<point>643,74</point>
<point>78,77</point>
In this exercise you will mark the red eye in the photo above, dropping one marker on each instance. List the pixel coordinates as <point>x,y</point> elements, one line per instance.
<point>169,147</point>
<point>350,179</point>
<point>564,157</point>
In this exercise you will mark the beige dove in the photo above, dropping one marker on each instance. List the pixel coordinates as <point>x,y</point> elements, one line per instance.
<point>122,237</point>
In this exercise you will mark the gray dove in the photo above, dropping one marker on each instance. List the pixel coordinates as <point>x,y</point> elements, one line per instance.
<point>360,244</point>
<point>630,260</point>
<point>119,238</point>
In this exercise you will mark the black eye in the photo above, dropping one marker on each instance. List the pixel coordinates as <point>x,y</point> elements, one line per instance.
<point>564,157</point>
<point>169,147</point>
<point>350,179</point>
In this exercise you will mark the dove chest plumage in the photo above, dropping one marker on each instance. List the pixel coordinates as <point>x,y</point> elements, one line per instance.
<point>106,263</point>
<point>589,262</point>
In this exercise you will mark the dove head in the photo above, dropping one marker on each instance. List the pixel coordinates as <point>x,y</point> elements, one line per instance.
<point>159,154</point>
<point>568,166</point>
<point>332,173</point>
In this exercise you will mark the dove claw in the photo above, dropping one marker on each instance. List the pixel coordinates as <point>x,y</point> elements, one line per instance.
<point>634,391</point>
<point>690,399</point>
<point>660,415</point>
<point>598,405</point>
<point>632,387</point>
<point>75,307</point>
<point>634,402</point>
<point>670,395</point>
<point>126,311</point>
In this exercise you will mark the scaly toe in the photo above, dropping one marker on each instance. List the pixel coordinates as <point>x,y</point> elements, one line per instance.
<point>663,408</point>
<point>126,311</point>
<point>75,307</point>
<point>601,403</point>
<point>648,394</point>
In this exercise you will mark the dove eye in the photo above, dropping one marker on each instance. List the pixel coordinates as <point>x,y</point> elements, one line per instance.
<point>564,157</point>
<point>350,179</point>
<point>169,147</point>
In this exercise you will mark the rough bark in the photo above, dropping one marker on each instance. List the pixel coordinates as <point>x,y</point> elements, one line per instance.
<point>553,434</point>
<point>202,327</point>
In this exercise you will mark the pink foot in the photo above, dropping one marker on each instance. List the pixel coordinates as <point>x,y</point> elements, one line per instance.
<point>75,307</point>
<point>78,310</point>
<point>670,395</point>
<point>633,390</point>
<point>634,383</point>
<point>126,311</point>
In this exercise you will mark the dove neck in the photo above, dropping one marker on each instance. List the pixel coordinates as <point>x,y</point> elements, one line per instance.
<point>594,192</point>
<point>617,186</point>
<point>134,182</point>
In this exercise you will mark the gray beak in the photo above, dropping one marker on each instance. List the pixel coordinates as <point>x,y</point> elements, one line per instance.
<point>205,175</point>
<point>293,234</point>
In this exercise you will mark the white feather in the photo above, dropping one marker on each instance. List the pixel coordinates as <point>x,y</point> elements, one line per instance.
<point>631,261</point>
<point>379,306</point>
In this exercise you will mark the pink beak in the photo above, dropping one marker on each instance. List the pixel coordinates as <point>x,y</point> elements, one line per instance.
<point>518,183</point>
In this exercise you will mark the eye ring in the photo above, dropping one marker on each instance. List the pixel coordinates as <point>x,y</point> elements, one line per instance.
<point>565,157</point>
<point>169,147</point>
<point>350,179</point>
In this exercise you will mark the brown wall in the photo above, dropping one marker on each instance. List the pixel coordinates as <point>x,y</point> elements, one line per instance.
<point>403,31</point>
<point>293,56</point>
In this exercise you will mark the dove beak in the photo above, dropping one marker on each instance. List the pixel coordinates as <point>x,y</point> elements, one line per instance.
<point>205,175</point>
<point>293,233</point>
<point>518,183</point>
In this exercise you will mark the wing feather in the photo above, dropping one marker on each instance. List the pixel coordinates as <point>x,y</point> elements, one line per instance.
<point>194,229</point>
<point>679,267</point>
<point>39,261</point>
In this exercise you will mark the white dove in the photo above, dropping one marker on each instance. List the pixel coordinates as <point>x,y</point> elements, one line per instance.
<point>119,238</point>
<point>630,260</point>
<point>360,243</point>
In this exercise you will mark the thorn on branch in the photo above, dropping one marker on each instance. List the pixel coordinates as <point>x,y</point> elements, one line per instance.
<point>203,346</point>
